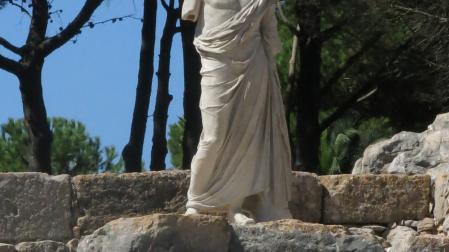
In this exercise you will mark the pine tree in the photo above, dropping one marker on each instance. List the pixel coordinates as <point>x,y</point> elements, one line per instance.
<point>73,150</point>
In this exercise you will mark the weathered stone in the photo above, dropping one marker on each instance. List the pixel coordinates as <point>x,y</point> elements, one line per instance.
<point>392,225</point>
<point>35,206</point>
<point>306,197</point>
<point>400,237</point>
<point>160,232</point>
<point>404,239</point>
<point>409,152</point>
<point>430,243</point>
<point>410,223</point>
<point>7,247</point>
<point>88,224</point>
<point>441,122</point>
<point>367,199</point>
<point>441,198</point>
<point>376,228</point>
<point>41,246</point>
<point>72,245</point>
<point>378,157</point>
<point>361,230</point>
<point>294,235</point>
<point>426,225</point>
<point>105,197</point>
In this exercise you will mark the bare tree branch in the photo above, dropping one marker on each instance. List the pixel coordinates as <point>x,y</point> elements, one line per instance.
<point>365,91</point>
<point>293,58</point>
<point>330,32</point>
<point>9,65</point>
<point>170,7</point>
<point>350,62</point>
<point>22,9</point>
<point>53,43</point>
<point>407,9</point>
<point>113,20</point>
<point>55,12</point>
<point>438,66</point>
<point>6,44</point>
<point>327,34</point>
<point>295,29</point>
<point>165,5</point>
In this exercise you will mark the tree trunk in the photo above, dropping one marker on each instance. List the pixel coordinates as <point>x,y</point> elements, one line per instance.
<point>163,98</point>
<point>290,97</point>
<point>35,117</point>
<point>308,89</point>
<point>132,153</point>
<point>192,94</point>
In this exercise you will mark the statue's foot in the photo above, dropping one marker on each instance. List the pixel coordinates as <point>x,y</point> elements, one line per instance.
<point>239,218</point>
<point>191,211</point>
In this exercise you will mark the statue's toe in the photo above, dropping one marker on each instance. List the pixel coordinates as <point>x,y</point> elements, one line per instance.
<point>240,219</point>
<point>191,211</point>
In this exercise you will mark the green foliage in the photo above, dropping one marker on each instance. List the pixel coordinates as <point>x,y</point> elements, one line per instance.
<point>108,164</point>
<point>73,150</point>
<point>344,142</point>
<point>14,147</point>
<point>176,132</point>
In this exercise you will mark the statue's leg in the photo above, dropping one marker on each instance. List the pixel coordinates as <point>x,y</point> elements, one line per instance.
<point>236,215</point>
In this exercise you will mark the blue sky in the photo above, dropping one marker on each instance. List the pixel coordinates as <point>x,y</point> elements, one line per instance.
<point>93,80</point>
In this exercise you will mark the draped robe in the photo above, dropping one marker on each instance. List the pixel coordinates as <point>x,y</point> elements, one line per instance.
<point>244,146</point>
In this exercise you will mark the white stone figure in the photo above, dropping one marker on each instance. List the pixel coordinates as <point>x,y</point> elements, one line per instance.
<point>242,165</point>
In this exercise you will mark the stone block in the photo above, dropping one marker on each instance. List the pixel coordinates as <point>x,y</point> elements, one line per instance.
<point>405,239</point>
<point>105,197</point>
<point>294,235</point>
<point>160,232</point>
<point>35,206</point>
<point>371,199</point>
<point>41,246</point>
<point>306,197</point>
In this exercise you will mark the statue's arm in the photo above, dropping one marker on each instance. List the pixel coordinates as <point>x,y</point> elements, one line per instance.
<point>269,30</point>
<point>191,9</point>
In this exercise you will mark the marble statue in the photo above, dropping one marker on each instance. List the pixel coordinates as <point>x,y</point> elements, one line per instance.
<point>242,165</point>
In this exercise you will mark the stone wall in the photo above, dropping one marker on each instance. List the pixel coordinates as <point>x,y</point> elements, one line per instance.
<point>38,207</point>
